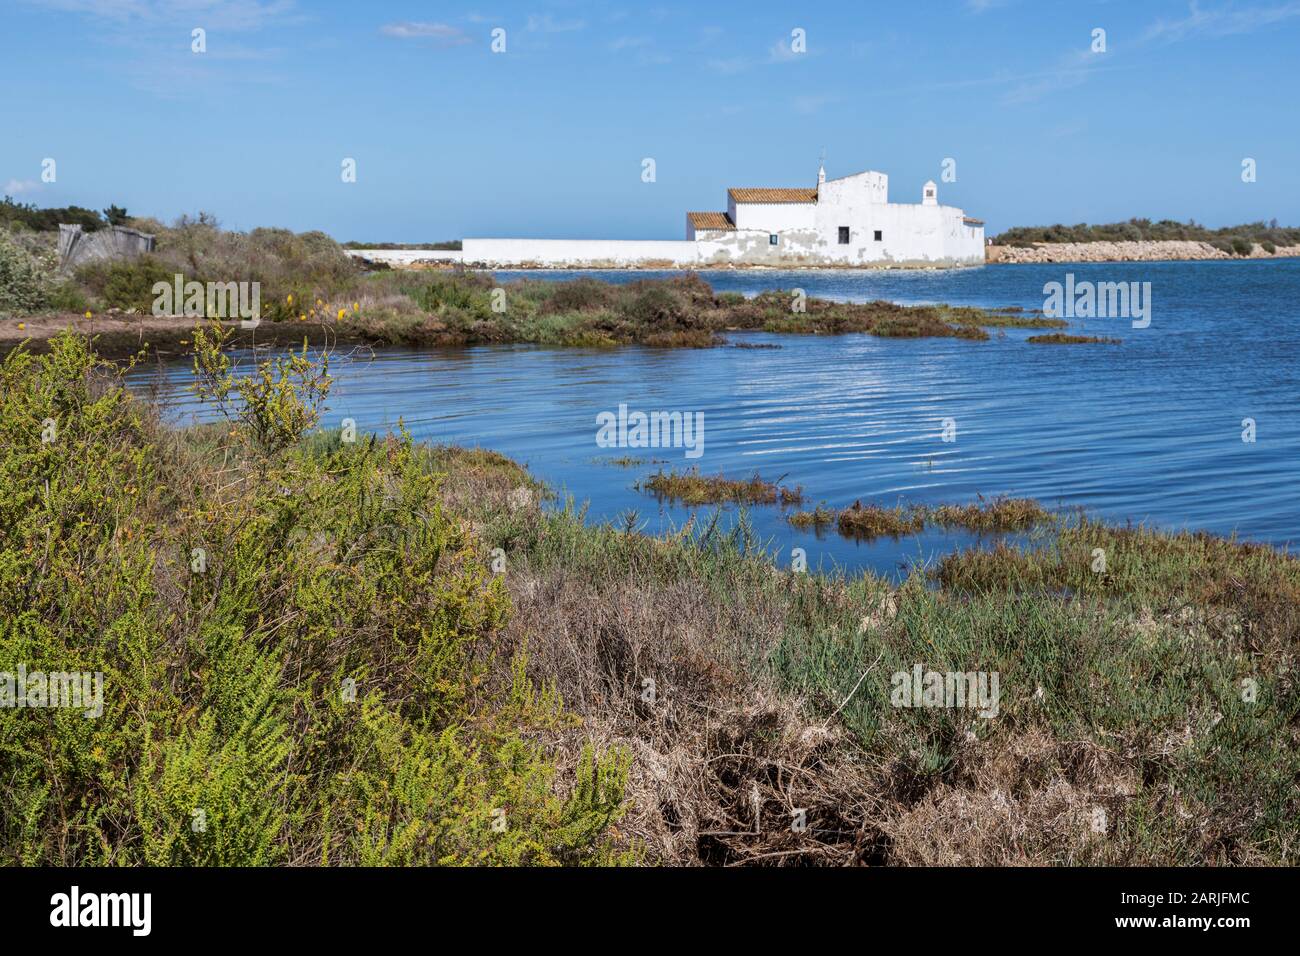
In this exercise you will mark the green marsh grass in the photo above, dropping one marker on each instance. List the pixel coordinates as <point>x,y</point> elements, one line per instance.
<point>628,697</point>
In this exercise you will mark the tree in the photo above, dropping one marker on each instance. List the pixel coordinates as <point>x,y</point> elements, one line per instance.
<point>116,216</point>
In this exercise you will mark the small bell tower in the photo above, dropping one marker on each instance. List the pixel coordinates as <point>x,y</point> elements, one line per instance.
<point>930,194</point>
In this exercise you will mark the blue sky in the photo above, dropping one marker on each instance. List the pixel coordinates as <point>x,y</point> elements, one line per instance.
<point>548,138</point>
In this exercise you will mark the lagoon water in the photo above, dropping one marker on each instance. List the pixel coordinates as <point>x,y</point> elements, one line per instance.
<point>1146,431</point>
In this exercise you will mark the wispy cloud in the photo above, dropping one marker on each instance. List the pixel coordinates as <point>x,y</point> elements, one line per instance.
<point>983,6</point>
<point>812,103</point>
<point>1075,68</point>
<point>1221,21</point>
<point>627,43</point>
<point>16,187</point>
<point>232,15</point>
<point>1072,70</point>
<point>149,41</point>
<point>545,23</point>
<point>440,34</point>
<point>729,65</point>
<point>782,51</point>
<point>641,48</point>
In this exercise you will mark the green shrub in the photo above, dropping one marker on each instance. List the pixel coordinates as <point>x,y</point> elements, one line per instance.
<point>1241,246</point>
<point>230,734</point>
<point>67,296</point>
<point>275,405</point>
<point>48,220</point>
<point>652,305</point>
<point>126,284</point>
<point>26,280</point>
<point>1145,229</point>
<point>446,295</point>
<point>282,261</point>
<point>580,295</point>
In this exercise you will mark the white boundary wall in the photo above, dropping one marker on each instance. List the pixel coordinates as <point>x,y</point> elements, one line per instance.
<point>407,257</point>
<point>913,236</point>
<point>577,253</point>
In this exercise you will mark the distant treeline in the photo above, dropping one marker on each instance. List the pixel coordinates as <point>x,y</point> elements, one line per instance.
<point>1236,239</point>
<point>450,244</point>
<point>47,220</point>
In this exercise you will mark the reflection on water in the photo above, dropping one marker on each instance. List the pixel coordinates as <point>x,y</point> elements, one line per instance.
<point>1149,430</point>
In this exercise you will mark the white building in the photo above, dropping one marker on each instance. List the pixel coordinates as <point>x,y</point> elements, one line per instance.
<point>846,222</point>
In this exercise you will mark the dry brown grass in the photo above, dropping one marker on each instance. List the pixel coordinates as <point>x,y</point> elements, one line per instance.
<point>871,521</point>
<point>1060,338</point>
<point>867,522</point>
<point>729,747</point>
<point>1028,801</point>
<point>998,514</point>
<point>720,762</point>
<point>692,488</point>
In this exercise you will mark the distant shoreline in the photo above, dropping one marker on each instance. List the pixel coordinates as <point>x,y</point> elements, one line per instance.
<point>1038,253</point>
<point>454,259</point>
<point>1172,250</point>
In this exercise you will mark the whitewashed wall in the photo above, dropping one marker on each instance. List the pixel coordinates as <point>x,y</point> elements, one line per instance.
<point>911,235</point>
<point>856,191</point>
<point>773,216</point>
<point>941,240</point>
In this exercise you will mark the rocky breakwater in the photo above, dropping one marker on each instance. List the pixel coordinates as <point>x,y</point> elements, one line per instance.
<point>1131,251</point>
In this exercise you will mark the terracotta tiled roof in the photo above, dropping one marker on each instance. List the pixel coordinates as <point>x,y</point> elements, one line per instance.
<point>972,222</point>
<point>710,220</point>
<point>773,195</point>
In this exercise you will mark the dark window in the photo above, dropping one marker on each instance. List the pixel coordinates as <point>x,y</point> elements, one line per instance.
<point>772,239</point>
<point>844,235</point>
<point>880,236</point>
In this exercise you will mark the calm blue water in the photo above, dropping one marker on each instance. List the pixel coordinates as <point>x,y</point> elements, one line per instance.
<point>1149,430</point>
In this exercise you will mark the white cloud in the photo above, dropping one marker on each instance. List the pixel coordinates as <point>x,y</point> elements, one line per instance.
<point>440,33</point>
<point>782,52</point>
<point>16,187</point>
